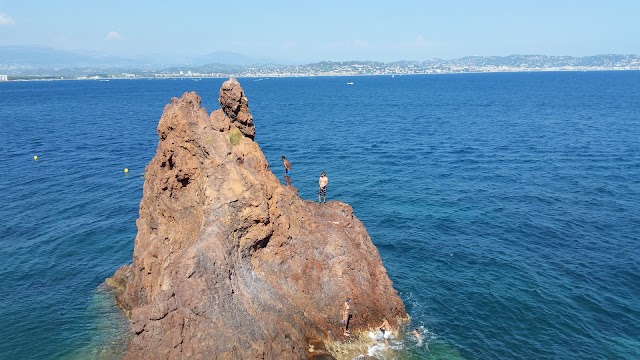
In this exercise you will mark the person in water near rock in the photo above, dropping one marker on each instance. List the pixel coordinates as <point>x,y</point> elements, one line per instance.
<point>287,168</point>
<point>323,182</point>
<point>416,333</point>
<point>345,317</point>
<point>386,331</point>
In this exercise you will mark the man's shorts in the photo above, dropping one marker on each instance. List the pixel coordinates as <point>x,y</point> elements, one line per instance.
<point>322,191</point>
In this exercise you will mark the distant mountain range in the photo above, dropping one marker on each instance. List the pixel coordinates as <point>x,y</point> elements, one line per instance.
<point>229,58</point>
<point>44,57</point>
<point>49,58</point>
<point>24,62</point>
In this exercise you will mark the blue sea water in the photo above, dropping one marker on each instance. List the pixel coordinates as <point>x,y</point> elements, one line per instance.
<point>506,207</point>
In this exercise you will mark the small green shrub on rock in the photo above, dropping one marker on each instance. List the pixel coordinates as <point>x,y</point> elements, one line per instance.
<point>235,136</point>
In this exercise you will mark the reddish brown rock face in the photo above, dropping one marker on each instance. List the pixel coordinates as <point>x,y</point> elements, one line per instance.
<point>236,106</point>
<point>230,264</point>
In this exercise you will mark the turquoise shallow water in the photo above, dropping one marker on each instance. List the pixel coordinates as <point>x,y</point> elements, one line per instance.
<point>506,207</point>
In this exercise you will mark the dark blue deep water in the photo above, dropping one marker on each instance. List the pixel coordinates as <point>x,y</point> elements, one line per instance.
<point>506,207</point>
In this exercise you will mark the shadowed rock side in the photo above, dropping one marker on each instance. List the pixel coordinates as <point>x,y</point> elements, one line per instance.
<point>230,264</point>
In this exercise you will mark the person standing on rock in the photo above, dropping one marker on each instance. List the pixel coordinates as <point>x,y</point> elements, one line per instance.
<point>386,331</point>
<point>287,168</point>
<point>345,317</point>
<point>323,182</point>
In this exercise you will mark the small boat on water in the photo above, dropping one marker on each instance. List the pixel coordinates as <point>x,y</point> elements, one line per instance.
<point>350,83</point>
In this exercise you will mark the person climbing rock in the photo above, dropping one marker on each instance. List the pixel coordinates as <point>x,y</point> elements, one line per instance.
<point>386,331</point>
<point>345,317</point>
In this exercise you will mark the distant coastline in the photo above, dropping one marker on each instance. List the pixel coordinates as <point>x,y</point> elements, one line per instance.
<point>198,77</point>
<point>473,64</point>
<point>10,70</point>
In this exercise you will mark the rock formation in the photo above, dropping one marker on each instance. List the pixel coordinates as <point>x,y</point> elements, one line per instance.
<point>229,263</point>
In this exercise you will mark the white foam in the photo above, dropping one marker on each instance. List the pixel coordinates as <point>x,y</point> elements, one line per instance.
<point>375,349</point>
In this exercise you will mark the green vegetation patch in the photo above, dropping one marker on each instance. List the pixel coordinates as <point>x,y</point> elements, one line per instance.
<point>235,136</point>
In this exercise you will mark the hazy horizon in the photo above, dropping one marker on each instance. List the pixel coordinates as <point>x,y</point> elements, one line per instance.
<point>225,57</point>
<point>290,32</point>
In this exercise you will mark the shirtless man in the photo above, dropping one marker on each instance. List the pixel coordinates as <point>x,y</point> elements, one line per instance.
<point>287,165</point>
<point>345,317</point>
<point>386,331</point>
<point>287,168</point>
<point>323,182</point>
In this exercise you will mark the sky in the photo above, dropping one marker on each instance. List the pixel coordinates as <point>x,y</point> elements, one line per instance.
<point>309,31</point>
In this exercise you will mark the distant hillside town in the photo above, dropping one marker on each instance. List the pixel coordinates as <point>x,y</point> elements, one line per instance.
<point>471,64</point>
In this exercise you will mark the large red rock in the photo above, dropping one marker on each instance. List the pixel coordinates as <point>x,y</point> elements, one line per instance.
<point>230,264</point>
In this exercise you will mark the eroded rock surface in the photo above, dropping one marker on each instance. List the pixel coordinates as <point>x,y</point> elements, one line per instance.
<point>230,264</point>
<point>236,107</point>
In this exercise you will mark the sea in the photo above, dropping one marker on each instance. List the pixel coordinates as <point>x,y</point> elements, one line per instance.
<point>505,206</point>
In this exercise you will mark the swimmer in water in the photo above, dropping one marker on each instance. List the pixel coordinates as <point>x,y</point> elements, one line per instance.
<point>416,333</point>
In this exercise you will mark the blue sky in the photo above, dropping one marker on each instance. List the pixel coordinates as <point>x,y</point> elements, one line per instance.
<point>304,31</point>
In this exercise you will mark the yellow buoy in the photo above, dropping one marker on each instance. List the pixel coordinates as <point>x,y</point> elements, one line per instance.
<point>126,170</point>
<point>35,157</point>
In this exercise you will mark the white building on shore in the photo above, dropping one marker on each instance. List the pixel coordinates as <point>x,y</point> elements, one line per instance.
<point>3,78</point>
